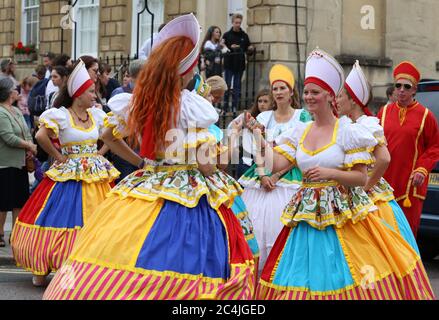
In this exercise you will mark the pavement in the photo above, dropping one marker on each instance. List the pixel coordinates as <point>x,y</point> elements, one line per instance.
<point>6,252</point>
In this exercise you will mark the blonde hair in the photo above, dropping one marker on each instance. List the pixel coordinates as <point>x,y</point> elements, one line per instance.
<point>217,83</point>
<point>30,80</point>
<point>236,16</point>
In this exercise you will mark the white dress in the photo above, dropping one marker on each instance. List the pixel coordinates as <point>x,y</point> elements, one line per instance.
<point>265,208</point>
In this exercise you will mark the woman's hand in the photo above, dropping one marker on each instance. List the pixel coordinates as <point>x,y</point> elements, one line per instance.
<point>267,183</point>
<point>60,158</point>
<point>32,147</point>
<point>207,169</point>
<point>236,126</point>
<point>317,174</point>
<point>251,123</point>
<point>368,185</point>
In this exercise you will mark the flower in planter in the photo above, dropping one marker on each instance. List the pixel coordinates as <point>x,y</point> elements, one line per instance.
<point>23,49</point>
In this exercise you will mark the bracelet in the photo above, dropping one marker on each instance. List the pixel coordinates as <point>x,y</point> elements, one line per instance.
<point>260,171</point>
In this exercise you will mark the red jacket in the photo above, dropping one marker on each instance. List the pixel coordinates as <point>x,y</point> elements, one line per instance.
<point>413,141</point>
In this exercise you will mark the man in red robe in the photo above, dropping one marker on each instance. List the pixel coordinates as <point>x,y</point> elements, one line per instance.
<point>412,135</point>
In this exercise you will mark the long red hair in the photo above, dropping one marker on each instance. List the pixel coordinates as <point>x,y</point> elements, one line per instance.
<point>156,96</point>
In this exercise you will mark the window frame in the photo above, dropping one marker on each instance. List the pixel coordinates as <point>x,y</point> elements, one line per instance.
<point>76,18</point>
<point>24,23</point>
<point>157,23</point>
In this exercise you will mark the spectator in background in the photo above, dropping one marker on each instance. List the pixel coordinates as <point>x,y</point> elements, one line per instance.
<point>8,67</point>
<point>40,72</point>
<point>238,42</point>
<point>146,47</point>
<point>123,166</point>
<point>133,70</point>
<point>63,60</point>
<point>218,88</point>
<point>392,95</point>
<point>106,81</point>
<point>126,79</point>
<point>15,143</point>
<point>25,88</point>
<point>48,59</point>
<point>59,76</point>
<point>212,49</point>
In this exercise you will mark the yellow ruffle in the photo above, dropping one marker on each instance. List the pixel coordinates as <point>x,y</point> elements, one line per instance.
<point>53,126</point>
<point>381,191</point>
<point>321,207</point>
<point>287,151</point>
<point>197,137</point>
<point>88,169</point>
<point>117,123</point>
<point>358,156</point>
<point>184,186</point>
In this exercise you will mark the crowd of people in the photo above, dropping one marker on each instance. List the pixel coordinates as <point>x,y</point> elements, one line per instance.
<point>325,206</point>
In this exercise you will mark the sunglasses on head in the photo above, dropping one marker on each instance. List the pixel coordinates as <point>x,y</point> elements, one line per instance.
<point>405,85</point>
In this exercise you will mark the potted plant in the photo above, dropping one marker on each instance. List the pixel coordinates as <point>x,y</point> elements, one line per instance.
<point>24,53</point>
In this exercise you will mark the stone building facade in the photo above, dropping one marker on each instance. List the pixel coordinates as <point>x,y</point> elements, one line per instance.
<point>380,33</point>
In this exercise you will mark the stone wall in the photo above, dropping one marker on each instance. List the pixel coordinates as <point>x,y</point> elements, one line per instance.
<point>7,27</point>
<point>115,27</point>
<point>273,29</point>
<point>404,30</point>
<point>174,8</point>
<point>50,27</point>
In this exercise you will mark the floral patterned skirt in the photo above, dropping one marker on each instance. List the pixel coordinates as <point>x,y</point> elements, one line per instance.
<point>163,233</point>
<point>334,246</point>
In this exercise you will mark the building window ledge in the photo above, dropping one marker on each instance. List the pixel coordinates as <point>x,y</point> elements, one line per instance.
<point>378,62</point>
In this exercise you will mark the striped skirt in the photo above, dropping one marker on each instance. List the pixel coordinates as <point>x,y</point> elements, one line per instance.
<point>133,249</point>
<point>48,224</point>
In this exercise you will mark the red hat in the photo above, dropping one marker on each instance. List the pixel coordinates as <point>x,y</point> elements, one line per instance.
<point>407,70</point>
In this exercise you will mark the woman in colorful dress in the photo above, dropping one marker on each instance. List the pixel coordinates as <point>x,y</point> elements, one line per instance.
<point>75,184</point>
<point>266,195</point>
<point>166,231</point>
<point>352,102</point>
<point>333,246</point>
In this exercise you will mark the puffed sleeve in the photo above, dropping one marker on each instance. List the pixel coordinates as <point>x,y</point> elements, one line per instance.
<point>288,141</point>
<point>118,117</point>
<point>196,111</point>
<point>373,125</point>
<point>264,117</point>
<point>196,115</point>
<point>55,119</point>
<point>357,143</point>
<point>99,118</point>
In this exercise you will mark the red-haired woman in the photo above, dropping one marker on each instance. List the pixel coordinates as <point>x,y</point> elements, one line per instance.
<point>166,231</point>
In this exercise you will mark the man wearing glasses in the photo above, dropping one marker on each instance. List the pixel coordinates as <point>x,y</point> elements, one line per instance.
<point>412,135</point>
